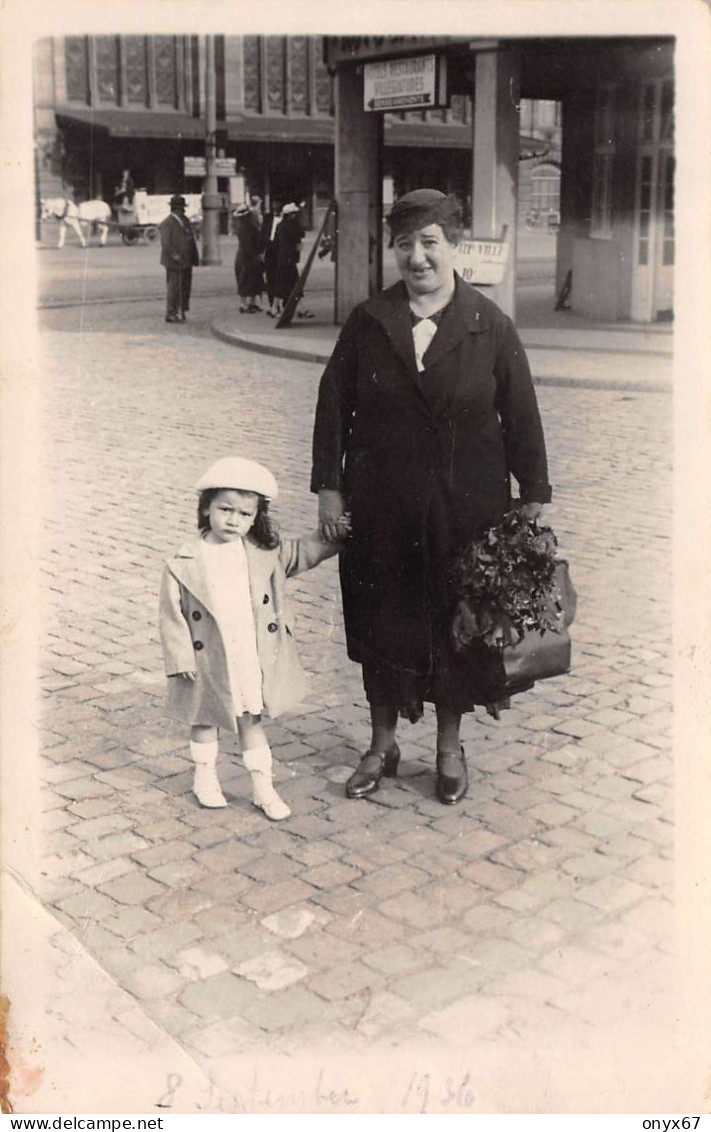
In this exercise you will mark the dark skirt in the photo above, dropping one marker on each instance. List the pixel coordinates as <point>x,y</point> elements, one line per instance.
<point>458,681</point>
<point>249,275</point>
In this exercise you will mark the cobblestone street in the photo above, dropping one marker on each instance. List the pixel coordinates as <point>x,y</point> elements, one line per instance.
<point>525,931</point>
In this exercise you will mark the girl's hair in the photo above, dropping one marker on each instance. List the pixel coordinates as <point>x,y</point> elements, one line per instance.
<point>264,530</point>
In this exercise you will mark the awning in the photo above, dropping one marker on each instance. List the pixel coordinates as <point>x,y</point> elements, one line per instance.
<point>262,128</point>
<point>132,123</point>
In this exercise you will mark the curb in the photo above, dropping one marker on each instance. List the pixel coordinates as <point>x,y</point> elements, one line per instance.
<point>259,346</point>
<point>315,355</point>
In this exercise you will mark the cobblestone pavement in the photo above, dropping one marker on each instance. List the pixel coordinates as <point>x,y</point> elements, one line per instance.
<point>535,918</point>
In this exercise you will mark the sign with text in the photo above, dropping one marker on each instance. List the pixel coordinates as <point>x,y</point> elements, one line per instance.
<point>197,167</point>
<point>415,83</point>
<point>482,261</point>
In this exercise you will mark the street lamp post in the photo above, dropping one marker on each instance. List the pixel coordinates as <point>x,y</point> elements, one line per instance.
<point>211,201</point>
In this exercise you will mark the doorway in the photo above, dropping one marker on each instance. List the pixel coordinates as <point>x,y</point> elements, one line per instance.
<point>654,241</point>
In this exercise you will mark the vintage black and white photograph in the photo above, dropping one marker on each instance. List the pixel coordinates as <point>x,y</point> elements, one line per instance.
<point>355,577</point>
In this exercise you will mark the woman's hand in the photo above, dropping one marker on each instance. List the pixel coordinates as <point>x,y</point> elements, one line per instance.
<point>531,510</point>
<point>187,675</point>
<point>331,508</point>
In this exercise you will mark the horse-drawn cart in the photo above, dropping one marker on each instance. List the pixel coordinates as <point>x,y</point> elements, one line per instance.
<point>145,213</point>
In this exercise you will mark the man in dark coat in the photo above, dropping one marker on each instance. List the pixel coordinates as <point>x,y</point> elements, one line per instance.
<point>178,255</point>
<point>424,411</point>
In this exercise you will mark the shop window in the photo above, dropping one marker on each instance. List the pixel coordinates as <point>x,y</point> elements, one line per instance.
<point>299,85</point>
<point>667,113</point>
<point>667,190</point>
<point>645,209</point>
<point>107,69</point>
<point>252,78</point>
<point>76,58</point>
<point>275,48</point>
<point>136,69</point>
<point>545,189</point>
<point>603,157</point>
<point>166,70</point>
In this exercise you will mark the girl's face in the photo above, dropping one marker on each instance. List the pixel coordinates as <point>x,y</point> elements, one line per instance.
<point>425,260</point>
<point>231,514</point>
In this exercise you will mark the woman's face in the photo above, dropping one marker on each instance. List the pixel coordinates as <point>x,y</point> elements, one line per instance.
<point>425,260</point>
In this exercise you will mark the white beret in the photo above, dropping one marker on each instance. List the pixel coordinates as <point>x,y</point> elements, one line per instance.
<point>238,474</point>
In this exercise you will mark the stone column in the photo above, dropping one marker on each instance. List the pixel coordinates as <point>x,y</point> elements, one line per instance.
<point>359,194</point>
<point>495,155</point>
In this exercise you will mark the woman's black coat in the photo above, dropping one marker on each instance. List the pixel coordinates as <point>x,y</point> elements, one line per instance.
<point>287,246</point>
<point>424,460</point>
<point>248,261</point>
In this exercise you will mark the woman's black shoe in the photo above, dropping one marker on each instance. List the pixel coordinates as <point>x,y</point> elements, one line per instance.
<point>371,768</point>
<point>452,778</point>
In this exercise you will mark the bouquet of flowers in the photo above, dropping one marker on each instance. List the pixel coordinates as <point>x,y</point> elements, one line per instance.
<point>505,584</point>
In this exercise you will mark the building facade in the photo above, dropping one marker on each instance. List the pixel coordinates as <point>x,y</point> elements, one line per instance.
<point>575,135</point>
<point>615,243</point>
<point>106,103</point>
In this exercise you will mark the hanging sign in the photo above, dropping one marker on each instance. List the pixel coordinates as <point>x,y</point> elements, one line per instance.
<point>415,83</point>
<point>482,261</point>
<point>197,167</point>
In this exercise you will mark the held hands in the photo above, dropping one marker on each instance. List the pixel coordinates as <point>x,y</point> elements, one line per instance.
<point>333,520</point>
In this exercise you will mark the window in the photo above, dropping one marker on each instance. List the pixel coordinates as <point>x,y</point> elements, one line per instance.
<point>603,156</point>
<point>77,68</point>
<point>545,189</point>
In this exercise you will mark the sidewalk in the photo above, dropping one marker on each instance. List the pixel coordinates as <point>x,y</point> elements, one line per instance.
<point>563,348</point>
<point>594,359</point>
<point>75,1035</point>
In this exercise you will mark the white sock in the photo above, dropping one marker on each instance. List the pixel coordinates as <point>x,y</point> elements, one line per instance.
<point>206,785</point>
<point>258,761</point>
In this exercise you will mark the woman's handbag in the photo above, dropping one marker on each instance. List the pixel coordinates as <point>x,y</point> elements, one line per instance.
<point>536,655</point>
<point>540,655</point>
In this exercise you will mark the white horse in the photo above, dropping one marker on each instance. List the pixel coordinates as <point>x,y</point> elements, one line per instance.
<point>68,213</point>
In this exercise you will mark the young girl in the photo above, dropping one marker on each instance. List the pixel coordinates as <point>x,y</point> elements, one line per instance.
<point>226,627</point>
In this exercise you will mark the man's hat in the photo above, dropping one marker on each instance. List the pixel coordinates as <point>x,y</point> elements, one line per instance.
<point>289,208</point>
<point>238,474</point>
<point>422,207</point>
<point>178,202</point>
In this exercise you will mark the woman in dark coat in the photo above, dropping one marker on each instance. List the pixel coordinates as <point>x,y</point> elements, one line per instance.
<point>248,261</point>
<point>287,246</point>
<point>424,411</point>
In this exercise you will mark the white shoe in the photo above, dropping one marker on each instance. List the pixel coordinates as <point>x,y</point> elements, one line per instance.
<point>258,762</point>
<point>206,788</point>
<point>206,785</point>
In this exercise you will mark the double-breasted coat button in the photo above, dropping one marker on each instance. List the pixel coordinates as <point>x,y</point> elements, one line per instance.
<point>272,626</point>
<point>198,645</point>
<point>196,615</point>
<point>265,599</point>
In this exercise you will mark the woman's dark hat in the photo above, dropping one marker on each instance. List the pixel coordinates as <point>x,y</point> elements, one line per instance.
<point>422,207</point>
<point>178,202</point>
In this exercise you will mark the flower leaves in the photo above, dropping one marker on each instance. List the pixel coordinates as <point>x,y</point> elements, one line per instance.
<point>504,583</point>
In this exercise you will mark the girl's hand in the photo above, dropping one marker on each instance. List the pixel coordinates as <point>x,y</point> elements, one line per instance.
<point>331,507</point>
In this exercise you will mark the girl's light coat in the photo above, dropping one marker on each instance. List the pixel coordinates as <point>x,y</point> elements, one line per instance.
<point>192,641</point>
